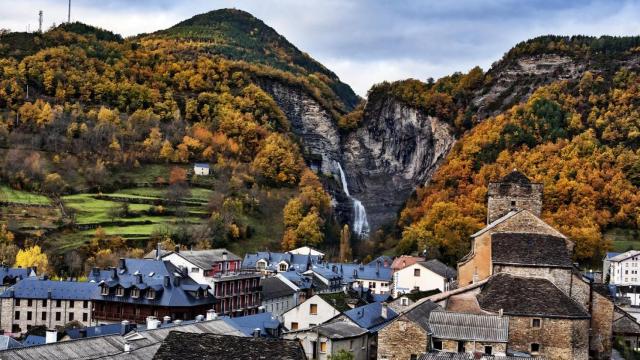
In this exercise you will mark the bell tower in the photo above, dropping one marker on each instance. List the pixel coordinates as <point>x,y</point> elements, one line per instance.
<point>513,192</point>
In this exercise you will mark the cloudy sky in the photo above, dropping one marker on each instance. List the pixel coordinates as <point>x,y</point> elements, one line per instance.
<point>365,41</point>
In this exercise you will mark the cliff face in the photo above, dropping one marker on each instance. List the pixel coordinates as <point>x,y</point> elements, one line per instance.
<point>395,149</point>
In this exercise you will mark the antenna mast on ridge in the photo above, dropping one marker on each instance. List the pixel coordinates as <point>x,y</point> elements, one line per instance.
<point>40,21</point>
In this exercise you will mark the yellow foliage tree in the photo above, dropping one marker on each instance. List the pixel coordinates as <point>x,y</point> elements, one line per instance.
<point>31,257</point>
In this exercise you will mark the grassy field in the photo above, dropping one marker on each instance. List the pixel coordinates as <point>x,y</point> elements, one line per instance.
<point>90,210</point>
<point>623,239</point>
<point>22,197</point>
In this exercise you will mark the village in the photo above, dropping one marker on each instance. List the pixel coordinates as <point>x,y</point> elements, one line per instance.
<point>517,294</point>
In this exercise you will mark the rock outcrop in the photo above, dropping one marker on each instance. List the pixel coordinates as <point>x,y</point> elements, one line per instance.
<point>395,149</point>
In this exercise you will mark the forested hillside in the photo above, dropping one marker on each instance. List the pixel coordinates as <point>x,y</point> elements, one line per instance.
<point>107,129</point>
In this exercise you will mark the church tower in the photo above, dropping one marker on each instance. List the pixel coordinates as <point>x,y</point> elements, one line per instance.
<point>514,192</point>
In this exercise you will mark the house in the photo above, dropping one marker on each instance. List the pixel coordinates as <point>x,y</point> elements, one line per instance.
<point>408,335</point>
<point>403,261</point>
<point>324,279</point>
<point>606,263</point>
<point>139,288</point>
<point>34,302</point>
<point>203,346</point>
<point>266,323</point>
<point>140,343</point>
<point>274,262</point>
<point>237,291</point>
<point>325,341</point>
<point>10,276</point>
<point>375,278</point>
<point>624,268</point>
<point>201,169</point>
<point>316,310</point>
<point>626,328</point>
<point>423,276</point>
<point>469,333</point>
<point>279,295</point>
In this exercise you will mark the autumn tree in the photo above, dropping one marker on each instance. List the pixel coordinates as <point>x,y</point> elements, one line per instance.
<point>32,257</point>
<point>8,249</point>
<point>278,160</point>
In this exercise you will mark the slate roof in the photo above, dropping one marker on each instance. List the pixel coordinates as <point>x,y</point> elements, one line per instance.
<point>147,274</point>
<point>34,288</point>
<point>384,259</point>
<point>201,165</point>
<point>469,327</point>
<point>325,272</point>
<point>339,330</point>
<point>247,324</point>
<point>609,255</point>
<point>370,316</point>
<point>524,296</point>
<point>439,268</point>
<point>496,222</point>
<point>530,249</point>
<point>212,346</point>
<point>273,287</point>
<point>7,342</point>
<point>298,279</point>
<point>351,272</point>
<point>32,340</point>
<point>8,274</point>
<point>625,255</point>
<point>419,313</point>
<point>144,344</point>
<point>625,324</point>
<point>205,258</point>
<point>92,331</point>
<point>296,261</point>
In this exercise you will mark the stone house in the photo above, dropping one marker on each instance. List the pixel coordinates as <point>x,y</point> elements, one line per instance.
<point>324,341</point>
<point>627,328</point>
<point>423,276</point>
<point>469,333</point>
<point>36,302</point>
<point>407,336</point>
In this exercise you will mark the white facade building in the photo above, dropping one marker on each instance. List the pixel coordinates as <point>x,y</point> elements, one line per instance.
<point>423,276</point>
<point>624,269</point>
<point>312,312</point>
<point>201,169</point>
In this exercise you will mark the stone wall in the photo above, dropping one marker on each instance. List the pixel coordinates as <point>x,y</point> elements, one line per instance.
<point>55,313</point>
<point>401,339</point>
<point>472,347</point>
<point>559,339</point>
<point>558,276</point>
<point>504,197</point>
<point>601,326</point>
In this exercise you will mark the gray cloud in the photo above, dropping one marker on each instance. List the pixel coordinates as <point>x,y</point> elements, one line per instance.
<point>366,41</point>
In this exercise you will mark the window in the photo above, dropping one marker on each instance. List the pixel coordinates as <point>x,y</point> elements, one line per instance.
<point>17,302</point>
<point>29,315</point>
<point>535,348</point>
<point>85,304</point>
<point>261,265</point>
<point>85,317</point>
<point>536,323</point>
<point>58,303</point>
<point>323,346</point>
<point>416,272</point>
<point>29,302</point>
<point>17,315</point>
<point>294,326</point>
<point>350,344</point>
<point>488,350</point>
<point>58,316</point>
<point>460,346</point>
<point>283,267</point>
<point>404,301</point>
<point>71,316</point>
<point>437,344</point>
<point>135,293</point>
<point>44,302</point>
<point>195,270</point>
<point>372,285</point>
<point>104,291</point>
<point>119,291</point>
<point>413,357</point>
<point>313,309</point>
<point>44,315</point>
<point>513,203</point>
<point>72,303</point>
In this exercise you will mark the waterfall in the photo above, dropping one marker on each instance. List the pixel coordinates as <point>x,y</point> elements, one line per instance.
<point>360,222</point>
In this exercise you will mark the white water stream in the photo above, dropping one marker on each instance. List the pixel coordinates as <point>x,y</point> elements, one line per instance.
<point>360,222</point>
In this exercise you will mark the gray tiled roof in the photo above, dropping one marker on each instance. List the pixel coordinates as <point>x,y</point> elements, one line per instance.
<point>469,327</point>
<point>525,296</point>
<point>205,258</point>
<point>144,344</point>
<point>34,288</point>
<point>340,330</point>
<point>439,268</point>
<point>530,249</point>
<point>273,288</point>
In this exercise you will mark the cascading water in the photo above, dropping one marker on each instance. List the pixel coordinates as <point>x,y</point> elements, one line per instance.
<point>360,222</point>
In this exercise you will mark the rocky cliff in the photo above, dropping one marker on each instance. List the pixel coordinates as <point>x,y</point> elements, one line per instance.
<point>395,149</point>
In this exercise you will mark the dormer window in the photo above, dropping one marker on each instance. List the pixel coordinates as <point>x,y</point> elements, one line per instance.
<point>151,294</point>
<point>282,267</point>
<point>104,290</point>
<point>135,293</point>
<point>261,265</point>
<point>119,291</point>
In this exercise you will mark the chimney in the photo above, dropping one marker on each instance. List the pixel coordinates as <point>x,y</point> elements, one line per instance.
<point>83,333</point>
<point>500,312</point>
<point>114,273</point>
<point>127,347</point>
<point>176,281</point>
<point>177,249</point>
<point>260,309</point>
<point>167,281</point>
<point>95,271</point>
<point>199,318</point>
<point>152,323</point>
<point>51,336</point>
<point>166,320</point>
<point>177,321</point>
<point>378,267</point>
<point>211,314</point>
<point>158,251</point>
<point>138,278</point>
<point>385,311</point>
<point>256,332</point>
<point>224,256</point>
<point>124,327</point>
<point>122,264</point>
